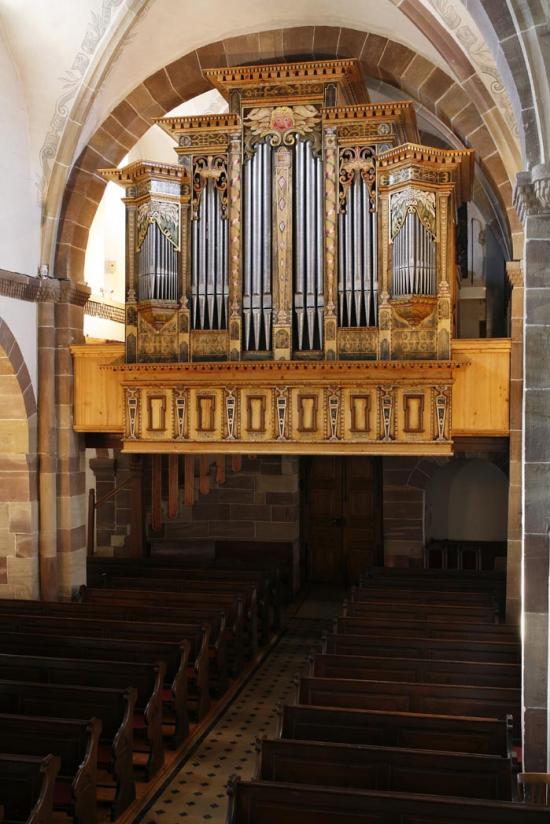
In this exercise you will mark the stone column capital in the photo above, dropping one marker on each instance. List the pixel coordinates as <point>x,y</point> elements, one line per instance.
<point>514,271</point>
<point>532,192</point>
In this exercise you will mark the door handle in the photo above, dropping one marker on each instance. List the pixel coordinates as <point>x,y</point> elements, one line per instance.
<point>338,522</point>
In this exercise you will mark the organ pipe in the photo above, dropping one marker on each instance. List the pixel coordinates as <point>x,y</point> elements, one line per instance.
<point>209,278</point>
<point>414,259</point>
<point>308,248</point>
<point>157,264</point>
<point>357,261</point>
<point>257,293</point>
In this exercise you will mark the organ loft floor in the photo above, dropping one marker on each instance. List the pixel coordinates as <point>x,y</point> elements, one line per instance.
<point>197,792</point>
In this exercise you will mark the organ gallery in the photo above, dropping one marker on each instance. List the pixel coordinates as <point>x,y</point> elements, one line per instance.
<point>291,279</point>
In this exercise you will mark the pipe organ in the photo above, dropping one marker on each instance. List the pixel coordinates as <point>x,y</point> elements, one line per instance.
<point>306,225</point>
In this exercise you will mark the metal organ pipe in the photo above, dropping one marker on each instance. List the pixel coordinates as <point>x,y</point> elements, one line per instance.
<point>266,250</point>
<point>157,267</point>
<point>413,266</point>
<point>308,247</point>
<point>357,276</point>
<point>209,270</point>
<point>257,295</point>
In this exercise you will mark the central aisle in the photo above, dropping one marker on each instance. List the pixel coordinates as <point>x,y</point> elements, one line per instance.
<point>198,791</point>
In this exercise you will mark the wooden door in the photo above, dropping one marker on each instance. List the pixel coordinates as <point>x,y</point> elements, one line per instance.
<point>342,517</point>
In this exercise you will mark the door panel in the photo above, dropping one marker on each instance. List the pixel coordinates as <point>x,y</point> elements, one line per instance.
<point>342,517</point>
<point>324,509</point>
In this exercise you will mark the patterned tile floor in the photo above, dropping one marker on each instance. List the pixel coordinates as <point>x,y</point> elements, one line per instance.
<point>198,791</point>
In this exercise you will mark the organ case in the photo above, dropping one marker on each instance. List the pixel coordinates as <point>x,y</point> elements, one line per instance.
<point>307,224</point>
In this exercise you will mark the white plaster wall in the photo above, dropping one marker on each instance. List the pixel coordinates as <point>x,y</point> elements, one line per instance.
<point>19,208</point>
<point>20,315</point>
<point>467,500</point>
<point>102,329</point>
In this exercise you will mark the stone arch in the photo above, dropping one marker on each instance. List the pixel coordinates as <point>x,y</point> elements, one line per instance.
<point>18,467</point>
<point>465,106</point>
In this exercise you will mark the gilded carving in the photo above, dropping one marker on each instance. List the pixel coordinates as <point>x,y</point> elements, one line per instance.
<point>442,412</point>
<point>282,339</point>
<point>357,342</point>
<point>205,168</point>
<point>230,410</point>
<point>208,343</point>
<point>165,214</point>
<point>333,396</point>
<point>235,227</point>
<point>386,396</point>
<point>409,201</point>
<point>330,150</point>
<point>180,409</point>
<point>357,162</point>
<point>281,125</point>
<point>133,397</point>
<point>281,407</point>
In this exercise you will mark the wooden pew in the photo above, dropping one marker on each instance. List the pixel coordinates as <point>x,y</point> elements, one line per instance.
<point>246,590</point>
<point>215,619</point>
<point>145,651</point>
<point>447,699</point>
<point>146,679</point>
<point>408,646</point>
<point>493,583</point>
<point>75,742</point>
<point>195,635</point>
<point>370,767</point>
<point>372,592</point>
<point>424,628</point>
<point>270,802</point>
<point>266,582</point>
<point>266,554</point>
<point>114,707</point>
<point>27,787</point>
<point>180,602</point>
<point>437,613</point>
<point>425,670</point>
<point>489,736</point>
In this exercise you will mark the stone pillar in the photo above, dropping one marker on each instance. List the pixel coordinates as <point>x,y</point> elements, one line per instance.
<point>47,452</point>
<point>71,483</point>
<point>515,490</point>
<point>532,201</point>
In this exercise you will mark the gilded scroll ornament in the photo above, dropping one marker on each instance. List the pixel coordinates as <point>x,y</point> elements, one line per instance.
<point>357,161</point>
<point>408,201</point>
<point>281,125</point>
<point>165,214</point>
<point>205,168</point>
